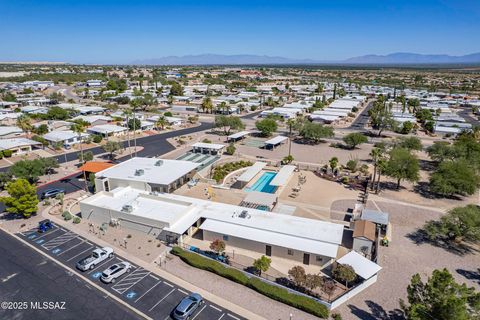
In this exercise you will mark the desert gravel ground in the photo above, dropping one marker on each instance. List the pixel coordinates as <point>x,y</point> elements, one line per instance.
<point>401,260</point>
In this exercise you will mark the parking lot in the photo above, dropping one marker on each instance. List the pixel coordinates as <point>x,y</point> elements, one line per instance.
<point>140,288</point>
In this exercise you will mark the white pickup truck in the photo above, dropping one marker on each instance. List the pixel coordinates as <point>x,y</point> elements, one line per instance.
<point>97,256</point>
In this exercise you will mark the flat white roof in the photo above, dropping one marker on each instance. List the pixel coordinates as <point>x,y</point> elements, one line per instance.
<point>157,171</point>
<point>16,142</point>
<point>252,171</point>
<point>282,176</point>
<point>107,128</point>
<point>271,237</point>
<point>60,135</point>
<point>238,135</point>
<point>204,145</point>
<point>362,266</point>
<point>4,130</point>
<point>180,212</point>
<point>276,140</point>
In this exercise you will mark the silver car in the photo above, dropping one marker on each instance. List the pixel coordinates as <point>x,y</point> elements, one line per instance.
<point>109,275</point>
<point>186,307</point>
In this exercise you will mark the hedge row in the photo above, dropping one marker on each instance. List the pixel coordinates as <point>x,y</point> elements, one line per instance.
<point>272,291</point>
<point>197,261</point>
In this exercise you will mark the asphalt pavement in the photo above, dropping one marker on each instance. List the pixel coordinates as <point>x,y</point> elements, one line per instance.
<point>140,288</point>
<point>27,277</point>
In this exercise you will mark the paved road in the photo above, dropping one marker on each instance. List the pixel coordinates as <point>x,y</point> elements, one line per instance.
<point>361,121</point>
<point>140,288</point>
<point>26,275</point>
<point>466,113</point>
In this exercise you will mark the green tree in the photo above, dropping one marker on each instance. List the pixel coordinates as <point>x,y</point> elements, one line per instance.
<point>407,127</point>
<point>228,123</point>
<point>313,281</point>
<point>231,149</point>
<point>440,298</point>
<point>176,89</point>
<point>41,129</point>
<point>161,123</point>
<point>354,139</point>
<point>458,225</point>
<point>380,116</point>
<point>316,132</point>
<point>344,273</point>
<point>440,151</point>
<point>22,198</point>
<point>333,163</point>
<point>402,165</point>
<point>24,122</point>
<point>111,147</point>
<point>262,264</point>
<point>134,123</point>
<point>207,105</point>
<point>87,156</point>
<point>9,97</point>
<point>28,169</point>
<point>266,126</point>
<point>57,113</point>
<point>409,143</point>
<point>454,177</point>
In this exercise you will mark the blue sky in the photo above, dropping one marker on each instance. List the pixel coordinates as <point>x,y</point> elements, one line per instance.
<point>123,31</point>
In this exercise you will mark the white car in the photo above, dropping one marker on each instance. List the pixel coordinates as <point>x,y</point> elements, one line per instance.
<point>109,275</point>
<point>97,256</point>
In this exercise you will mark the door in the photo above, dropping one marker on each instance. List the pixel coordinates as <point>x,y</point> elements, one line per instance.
<point>268,251</point>
<point>306,258</point>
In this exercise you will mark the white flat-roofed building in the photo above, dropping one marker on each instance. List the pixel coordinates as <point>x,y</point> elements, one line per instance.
<point>18,145</point>
<point>7,132</point>
<point>94,120</point>
<point>362,266</point>
<point>210,148</point>
<point>238,135</point>
<point>148,174</point>
<point>107,130</point>
<point>174,219</point>
<point>65,138</point>
<point>283,176</point>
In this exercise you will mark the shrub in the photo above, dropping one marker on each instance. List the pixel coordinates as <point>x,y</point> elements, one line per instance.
<point>97,138</point>
<point>345,179</point>
<point>230,149</point>
<point>1,154</point>
<point>282,295</point>
<point>206,140</point>
<point>67,215</point>
<point>253,108</point>
<point>76,220</point>
<point>272,291</point>
<point>197,261</point>
<point>352,165</point>
<point>7,153</point>
<point>168,114</point>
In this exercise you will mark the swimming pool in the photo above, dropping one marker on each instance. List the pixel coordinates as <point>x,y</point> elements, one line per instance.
<point>263,183</point>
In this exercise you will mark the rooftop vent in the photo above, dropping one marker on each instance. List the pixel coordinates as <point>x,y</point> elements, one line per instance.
<point>139,172</point>
<point>127,208</point>
<point>159,163</point>
<point>244,215</point>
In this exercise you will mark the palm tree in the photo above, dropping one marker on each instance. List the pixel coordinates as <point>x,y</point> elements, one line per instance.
<point>290,124</point>
<point>24,122</point>
<point>382,164</point>
<point>161,122</point>
<point>127,113</point>
<point>207,105</point>
<point>375,154</point>
<point>79,128</point>
<point>134,104</point>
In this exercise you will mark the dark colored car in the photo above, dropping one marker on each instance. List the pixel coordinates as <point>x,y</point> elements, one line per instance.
<point>44,225</point>
<point>187,306</point>
<point>50,193</point>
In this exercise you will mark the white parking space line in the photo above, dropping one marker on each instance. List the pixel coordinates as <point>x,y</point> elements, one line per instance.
<point>156,304</point>
<point>183,291</point>
<point>156,284</point>
<point>28,232</point>
<point>199,312</point>
<point>221,316</point>
<point>79,254</point>
<point>232,316</point>
<point>46,234</point>
<point>219,310</point>
<point>168,284</point>
<point>71,248</point>
<point>101,264</point>
<point>55,242</point>
<point>154,277</point>
<point>130,280</point>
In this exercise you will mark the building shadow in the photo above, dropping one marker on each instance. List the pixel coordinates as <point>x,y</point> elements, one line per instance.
<point>376,312</point>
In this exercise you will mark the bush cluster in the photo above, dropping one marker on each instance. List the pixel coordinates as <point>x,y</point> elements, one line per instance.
<point>221,172</point>
<point>272,291</point>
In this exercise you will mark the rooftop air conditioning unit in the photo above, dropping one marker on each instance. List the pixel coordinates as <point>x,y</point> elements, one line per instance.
<point>127,208</point>
<point>139,172</point>
<point>159,163</point>
<point>244,215</point>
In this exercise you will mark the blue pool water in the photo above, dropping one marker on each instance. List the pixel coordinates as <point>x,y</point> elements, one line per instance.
<point>263,183</point>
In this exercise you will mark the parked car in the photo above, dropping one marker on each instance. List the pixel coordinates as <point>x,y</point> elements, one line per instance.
<point>97,256</point>
<point>44,225</point>
<point>50,193</point>
<point>187,306</point>
<point>109,275</point>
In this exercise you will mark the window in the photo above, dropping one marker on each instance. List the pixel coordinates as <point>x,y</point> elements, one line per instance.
<point>290,252</point>
<point>225,238</point>
<point>319,258</point>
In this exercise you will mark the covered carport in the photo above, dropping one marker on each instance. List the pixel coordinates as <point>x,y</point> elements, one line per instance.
<point>274,142</point>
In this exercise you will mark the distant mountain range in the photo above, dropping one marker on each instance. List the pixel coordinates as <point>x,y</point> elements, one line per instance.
<point>250,59</point>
